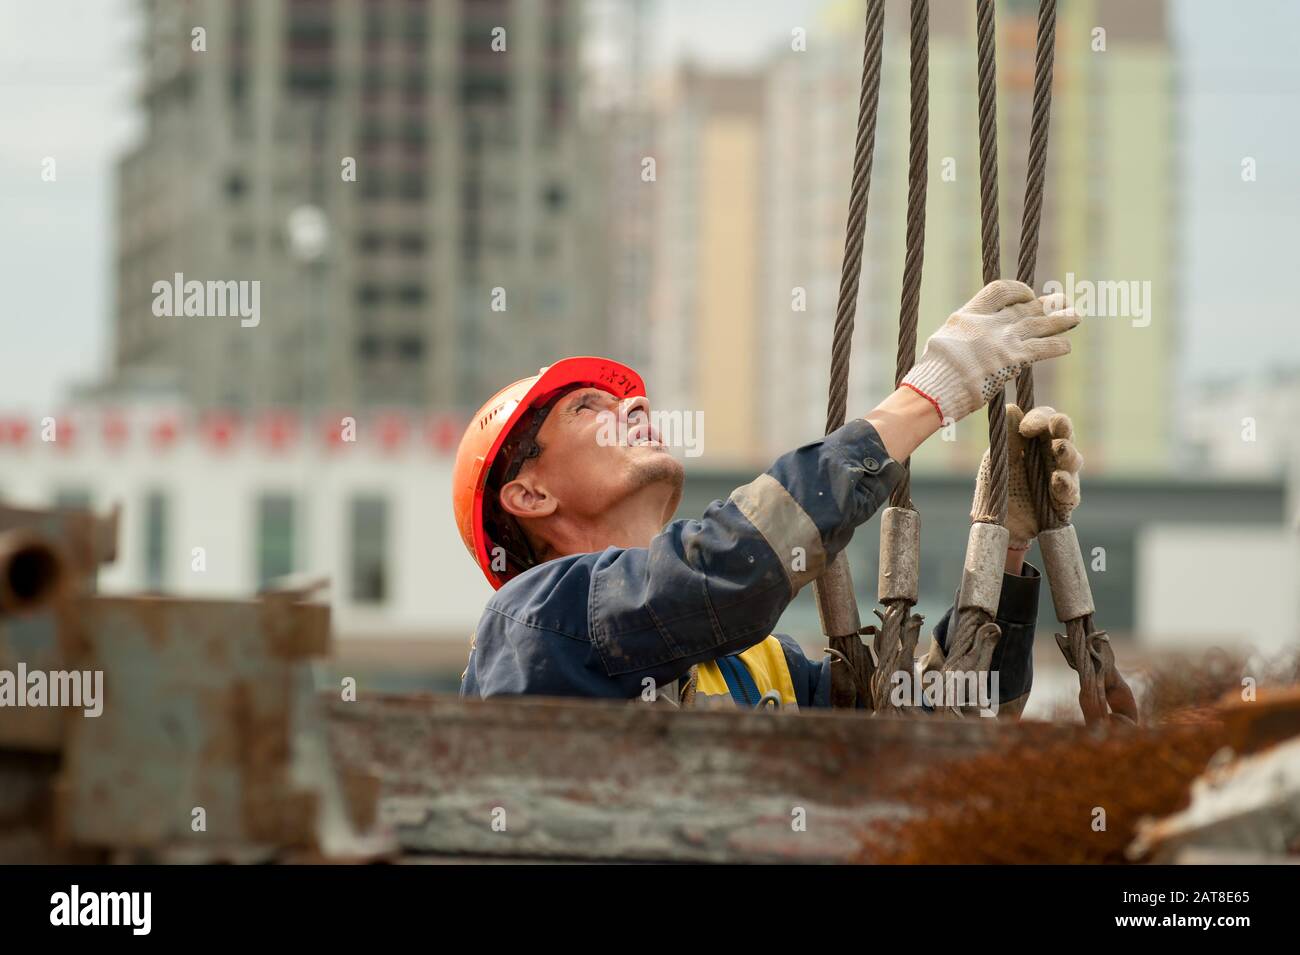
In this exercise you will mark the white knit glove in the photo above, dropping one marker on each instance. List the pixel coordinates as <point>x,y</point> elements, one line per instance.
<point>1055,433</point>
<point>985,343</point>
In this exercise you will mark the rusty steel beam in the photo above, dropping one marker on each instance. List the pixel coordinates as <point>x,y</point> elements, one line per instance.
<point>209,705</point>
<point>530,778</point>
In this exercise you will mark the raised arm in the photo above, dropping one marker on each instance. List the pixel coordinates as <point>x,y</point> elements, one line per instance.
<point>715,586</point>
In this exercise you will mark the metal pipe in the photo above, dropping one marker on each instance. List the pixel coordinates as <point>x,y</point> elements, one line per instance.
<point>32,571</point>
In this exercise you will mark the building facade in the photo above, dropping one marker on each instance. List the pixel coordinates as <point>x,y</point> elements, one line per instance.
<point>704,340</point>
<point>1245,428</point>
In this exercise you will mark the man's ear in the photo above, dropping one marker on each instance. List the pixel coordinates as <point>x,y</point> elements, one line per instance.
<point>521,498</point>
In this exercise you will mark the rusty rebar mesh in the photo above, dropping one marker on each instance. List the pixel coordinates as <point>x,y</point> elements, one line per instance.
<point>1173,688</point>
<point>1038,803</point>
<point>1177,685</point>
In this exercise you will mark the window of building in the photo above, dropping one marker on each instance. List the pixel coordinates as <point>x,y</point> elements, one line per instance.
<point>155,540</point>
<point>410,347</point>
<point>471,195</point>
<point>411,294</point>
<point>73,498</point>
<point>411,243</point>
<point>237,86</point>
<point>417,27</point>
<point>551,301</point>
<point>372,131</point>
<point>414,134</point>
<point>411,186</point>
<point>481,88</point>
<point>375,30</point>
<point>275,537</point>
<point>235,186</point>
<point>310,80</point>
<point>369,550</point>
<point>415,82</point>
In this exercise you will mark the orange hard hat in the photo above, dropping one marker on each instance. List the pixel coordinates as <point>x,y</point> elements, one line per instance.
<point>491,426</point>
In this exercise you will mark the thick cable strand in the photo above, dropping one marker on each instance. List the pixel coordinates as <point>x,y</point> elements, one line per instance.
<point>1039,124</point>
<point>1037,472</point>
<point>851,271</point>
<point>973,633</point>
<point>851,673</point>
<point>917,182</point>
<point>986,55</point>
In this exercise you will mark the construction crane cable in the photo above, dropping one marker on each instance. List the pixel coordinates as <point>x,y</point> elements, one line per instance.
<point>1037,473</point>
<point>986,57</point>
<point>917,181</point>
<point>1036,176</point>
<point>974,633</point>
<point>855,232</point>
<point>836,604</point>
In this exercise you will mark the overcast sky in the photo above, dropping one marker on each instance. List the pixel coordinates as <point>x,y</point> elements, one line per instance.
<point>67,88</point>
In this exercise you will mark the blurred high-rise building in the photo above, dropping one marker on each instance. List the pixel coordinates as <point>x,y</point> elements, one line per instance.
<point>705,298</point>
<point>622,126</point>
<point>452,262</point>
<point>1109,216</point>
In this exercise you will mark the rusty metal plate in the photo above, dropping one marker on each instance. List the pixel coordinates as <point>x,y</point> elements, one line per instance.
<point>26,824</point>
<point>85,541</point>
<point>31,639</point>
<point>575,779</point>
<point>201,700</point>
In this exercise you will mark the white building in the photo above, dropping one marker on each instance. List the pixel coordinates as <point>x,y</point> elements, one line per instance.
<point>217,505</point>
<point>1246,428</point>
<point>1243,431</point>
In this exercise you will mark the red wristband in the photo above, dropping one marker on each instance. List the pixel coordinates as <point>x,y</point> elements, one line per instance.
<point>938,410</point>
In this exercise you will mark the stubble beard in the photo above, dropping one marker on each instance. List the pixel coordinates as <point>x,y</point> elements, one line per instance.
<point>663,469</point>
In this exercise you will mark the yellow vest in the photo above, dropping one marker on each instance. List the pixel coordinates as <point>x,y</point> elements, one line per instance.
<point>766,664</point>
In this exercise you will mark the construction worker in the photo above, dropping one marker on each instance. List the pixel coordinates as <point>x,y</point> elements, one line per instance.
<point>599,595</point>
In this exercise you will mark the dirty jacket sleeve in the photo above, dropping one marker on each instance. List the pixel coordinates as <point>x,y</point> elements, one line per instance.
<point>715,586</point>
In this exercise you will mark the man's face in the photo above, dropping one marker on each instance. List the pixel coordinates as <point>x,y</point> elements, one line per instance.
<point>599,452</point>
